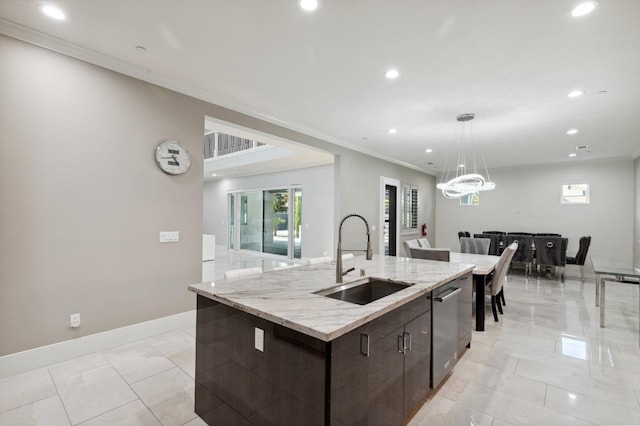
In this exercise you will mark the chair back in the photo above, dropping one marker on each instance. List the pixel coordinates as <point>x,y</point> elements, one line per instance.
<point>551,250</point>
<point>463,234</point>
<point>581,256</point>
<point>523,254</point>
<point>502,267</point>
<point>494,247</point>
<point>424,243</point>
<point>520,233</point>
<point>547,235</point>
<point>408,245</point>
<point>475,245</point>
<point>494,232</point>
<point>441,254</point>
<point>239,273</point>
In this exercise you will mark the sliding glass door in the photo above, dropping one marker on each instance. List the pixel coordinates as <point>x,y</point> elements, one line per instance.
<point>268,221</point>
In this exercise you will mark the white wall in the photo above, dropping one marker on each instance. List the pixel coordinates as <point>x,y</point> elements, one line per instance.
<point>317,205</point>
<point>528,199</point>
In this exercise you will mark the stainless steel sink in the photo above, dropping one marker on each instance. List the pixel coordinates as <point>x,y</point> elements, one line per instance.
<point>364,291</point>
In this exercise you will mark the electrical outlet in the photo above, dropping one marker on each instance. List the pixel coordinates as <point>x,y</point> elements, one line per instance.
<point>169,236</point>
<point>259,339</point>
<point>74,320</point>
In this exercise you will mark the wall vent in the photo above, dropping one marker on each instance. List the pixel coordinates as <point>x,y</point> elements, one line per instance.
<point>583,148</point>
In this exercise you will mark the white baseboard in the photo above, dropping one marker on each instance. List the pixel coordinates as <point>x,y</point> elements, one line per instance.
<point>57,352</point>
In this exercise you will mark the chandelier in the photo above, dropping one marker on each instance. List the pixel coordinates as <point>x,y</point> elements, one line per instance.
<point>463,176</point>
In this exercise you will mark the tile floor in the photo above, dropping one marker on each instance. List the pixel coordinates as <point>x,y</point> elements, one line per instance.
<point>547,362</point>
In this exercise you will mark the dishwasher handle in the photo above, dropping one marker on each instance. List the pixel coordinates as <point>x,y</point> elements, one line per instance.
<point>452,292</point>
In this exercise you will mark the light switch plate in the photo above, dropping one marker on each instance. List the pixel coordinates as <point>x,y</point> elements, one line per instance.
<point>169,236</point>
<point>259,339</point>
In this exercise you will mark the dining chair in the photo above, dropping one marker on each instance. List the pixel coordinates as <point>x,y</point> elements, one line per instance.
<point>581,256</point>
<point>475,245</point>
<point>495,286</point>
<point>547,235</point>
<point>552,252</point>
<point>408,245</point>
<point>239,273</point>
<point>441,254</point>
<point>495,248</point>
<point>424,243</point>
<point>520,233</point>
<point>462,234</point>
<point>523,254</point>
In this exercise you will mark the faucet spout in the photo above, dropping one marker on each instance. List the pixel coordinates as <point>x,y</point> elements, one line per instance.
<point>369,252</point>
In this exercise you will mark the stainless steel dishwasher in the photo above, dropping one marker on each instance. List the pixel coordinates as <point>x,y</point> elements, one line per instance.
<point>444,343</point>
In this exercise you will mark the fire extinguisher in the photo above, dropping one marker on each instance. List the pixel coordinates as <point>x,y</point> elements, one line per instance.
<point>424,229</point>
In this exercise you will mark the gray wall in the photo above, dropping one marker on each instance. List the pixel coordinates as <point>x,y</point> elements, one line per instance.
<point>82,201</point>
<point>317,205</point>
<point>636,250</point>
<point>528,199</point>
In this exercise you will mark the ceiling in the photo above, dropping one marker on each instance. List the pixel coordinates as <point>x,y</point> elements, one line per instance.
<point>512,63</point>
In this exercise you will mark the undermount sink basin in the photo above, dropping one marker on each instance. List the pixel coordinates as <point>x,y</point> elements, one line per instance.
<point>364,291</point>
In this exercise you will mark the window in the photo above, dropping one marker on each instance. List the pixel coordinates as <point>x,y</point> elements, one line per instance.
<point>409,208</point>
<point>575,193</point>
<point>470,199</point>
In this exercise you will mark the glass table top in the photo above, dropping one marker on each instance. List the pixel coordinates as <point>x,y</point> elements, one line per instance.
<point>626,268</point>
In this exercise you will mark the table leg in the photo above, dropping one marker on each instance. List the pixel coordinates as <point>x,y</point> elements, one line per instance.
<point>597,289</point>
<point>481,281</point>
<point>602,285</point>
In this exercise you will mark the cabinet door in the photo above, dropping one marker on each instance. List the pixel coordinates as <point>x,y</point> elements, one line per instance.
<point>465,312</point>
<point>417,361</point>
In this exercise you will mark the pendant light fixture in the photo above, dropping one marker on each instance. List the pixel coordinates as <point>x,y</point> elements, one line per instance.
<point>463,175</point>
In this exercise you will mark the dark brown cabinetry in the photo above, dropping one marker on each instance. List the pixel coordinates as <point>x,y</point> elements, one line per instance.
<point>373,375</point>
<point>465,312</point>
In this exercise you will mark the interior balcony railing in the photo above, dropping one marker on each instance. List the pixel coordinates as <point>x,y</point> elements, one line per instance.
<point>217,144</point>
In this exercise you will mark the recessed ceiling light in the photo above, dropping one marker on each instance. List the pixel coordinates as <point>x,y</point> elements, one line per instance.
<point>392,73</point>
<point>575,93</point>
<point>53,12</point>
<point>308,5</point>
<point>572,131</point>
<point>428,150</point>
<point>460,165</point>
<point>213,174</point>
<point>393,131</point>
<point>573,154</point>
<point>584,8</point>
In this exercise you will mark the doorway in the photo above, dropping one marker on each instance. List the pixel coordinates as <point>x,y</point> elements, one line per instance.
<point>267,221</point>
<point>389,214</point>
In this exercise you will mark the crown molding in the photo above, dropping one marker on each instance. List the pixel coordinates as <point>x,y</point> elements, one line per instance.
<point>66,48</point>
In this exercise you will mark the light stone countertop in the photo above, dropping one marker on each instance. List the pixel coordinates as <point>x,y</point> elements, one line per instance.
<point>286,296</point>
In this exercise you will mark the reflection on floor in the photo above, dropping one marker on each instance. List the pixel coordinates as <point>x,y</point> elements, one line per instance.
<point>547,362</point>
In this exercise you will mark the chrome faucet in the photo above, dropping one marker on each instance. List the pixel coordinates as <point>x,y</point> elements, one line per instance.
<point>339,272</point>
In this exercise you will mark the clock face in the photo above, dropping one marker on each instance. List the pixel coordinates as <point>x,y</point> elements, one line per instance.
<point>172,157</point>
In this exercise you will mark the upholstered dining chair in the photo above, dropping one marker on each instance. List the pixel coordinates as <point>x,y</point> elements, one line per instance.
<point>551,251</point>
<point>581,256</point>
<point>523,254</point>
<point>408,245</point>
<point>495,248</point>
<point>441,254</point>
<point>475,245</point>
<point>424,243</point>
<point>495,287</point>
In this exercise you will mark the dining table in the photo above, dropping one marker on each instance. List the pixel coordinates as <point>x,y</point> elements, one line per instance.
<point>621,271</point>
<point>485,264</point>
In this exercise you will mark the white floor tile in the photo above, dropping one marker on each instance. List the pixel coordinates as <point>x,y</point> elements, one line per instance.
<point>137,361</point>
<point>48,411</point>
<point>169,396</point>
<point>132,414</point>
<point>25,388</point>
<point>93,392</point>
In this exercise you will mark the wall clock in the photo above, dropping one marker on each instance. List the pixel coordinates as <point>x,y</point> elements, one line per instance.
<point>172,157</point>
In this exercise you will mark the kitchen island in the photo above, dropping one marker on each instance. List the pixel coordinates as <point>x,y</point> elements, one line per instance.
<point>271,351</point>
